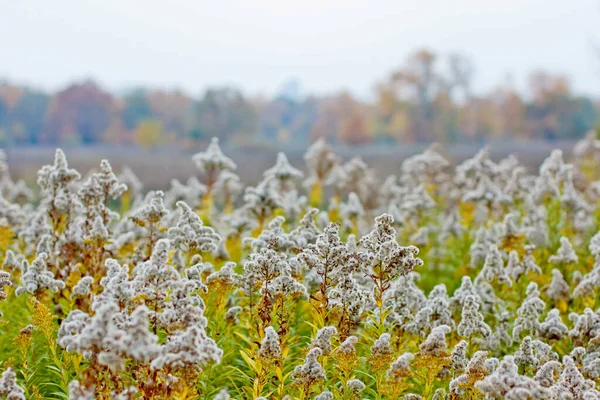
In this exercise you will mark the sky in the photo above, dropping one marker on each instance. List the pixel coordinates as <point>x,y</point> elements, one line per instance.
<point>257,45</point>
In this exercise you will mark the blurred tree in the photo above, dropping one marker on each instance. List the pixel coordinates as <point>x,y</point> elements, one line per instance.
<point>170,107</point>
<point>80,112</point>
<point>222,113</point>
<point>428,98</point>
<point>554,112</point>
<point>10,95</point>
<point>137,108</point>
<point>296,117</point>
<point>30,112</point>
<point>343,118</point>
<point>149,133</point>
<point>22,113</point>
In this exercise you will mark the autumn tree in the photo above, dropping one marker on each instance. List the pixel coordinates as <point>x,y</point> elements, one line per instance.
<point>81,112</point>
<point>149,133</point>
<point>222,113</point>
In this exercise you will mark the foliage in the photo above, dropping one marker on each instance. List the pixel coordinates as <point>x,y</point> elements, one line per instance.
<point>427,98</point>
<point>476,281</point>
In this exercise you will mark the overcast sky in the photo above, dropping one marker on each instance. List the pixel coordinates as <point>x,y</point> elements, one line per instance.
<point>259,44</point>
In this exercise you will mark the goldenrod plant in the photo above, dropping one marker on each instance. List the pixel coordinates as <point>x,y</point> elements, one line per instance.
<point>474,281</point>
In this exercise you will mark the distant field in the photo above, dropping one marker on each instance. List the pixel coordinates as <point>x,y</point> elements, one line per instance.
<point>157,168</point>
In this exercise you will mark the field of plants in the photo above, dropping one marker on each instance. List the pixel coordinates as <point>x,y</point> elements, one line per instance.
<point>472,281</point>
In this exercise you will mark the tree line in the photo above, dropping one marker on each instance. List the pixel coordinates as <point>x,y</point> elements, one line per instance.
<point>428,98</point>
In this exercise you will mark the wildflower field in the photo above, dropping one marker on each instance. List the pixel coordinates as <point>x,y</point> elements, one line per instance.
<point>322,281</point>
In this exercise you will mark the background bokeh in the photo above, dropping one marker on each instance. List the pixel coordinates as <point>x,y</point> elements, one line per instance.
<point>138,81</point>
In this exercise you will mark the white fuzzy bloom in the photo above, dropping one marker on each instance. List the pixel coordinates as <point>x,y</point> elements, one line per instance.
<point>571,197</point>
<point>488,297</point>
<point>553,328</point>
<point>465,289</point>
<point>349,177</point>
<point>323,339</point>
<point>311,371</point>
<point>78,392</point>
<point>594,245</point>
<point>543,351</point>
<point>11,214</point>
<point>500,335</point>
<point>440,394</point>
<point>353,208</point>
<point>83,287</point>
<point>435,345</point>
<point>524,357</point>
<point>400,368</point>
<point>476,368</point>
<point>273,236</point>
<point>4,282</point>
<point>439,303</point>
<point>591,364</point>
<point>306,232</point>
<point>459,356</point>
<point>324,396</point>
<point>228,187</point>
<point>320,160</point>
<point>97,191</point>
<point>184,307</point>
<point>270,347</point>
<point>571,384</point>
<point>191,348</point>
<point>383,249</point>
<point>262,200</point>
<point>589,282</point>
<point>382,346</point>
<point>347,348</point>
<point>56,184</point>
<point>232,315</point>
<point>110,335</point>
<point>153,278</point>
<point>191,193</point>
<point>355,385</point>
<point>282,174</point>
<point>516,268</point>
<point>565,253</point>
<point>116,284</point>
<point>528,315</point>
<point>421,323</point>
<point>213,160</point>
<point>472,322</point>
<point>486,191</point>
<point>222,395</point>
<point>37,278</point>
<point>131,181</point>
<point>558,288</point>
<point>585,326</point>
<point>428,166</point>
<point>338,178</point>
<point>545,374</point>
<point>12,261</point>
<point>285,285</point>
<point>264,266</point>
<point>493,268</point>
<point>589,146</point>
<point>152,211</point>
<point>480,247</point>
<point>128,393</point>
<point>506,383</point>
<point>190,235</point>
<point>9,387</point>
<point>405,297</point>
